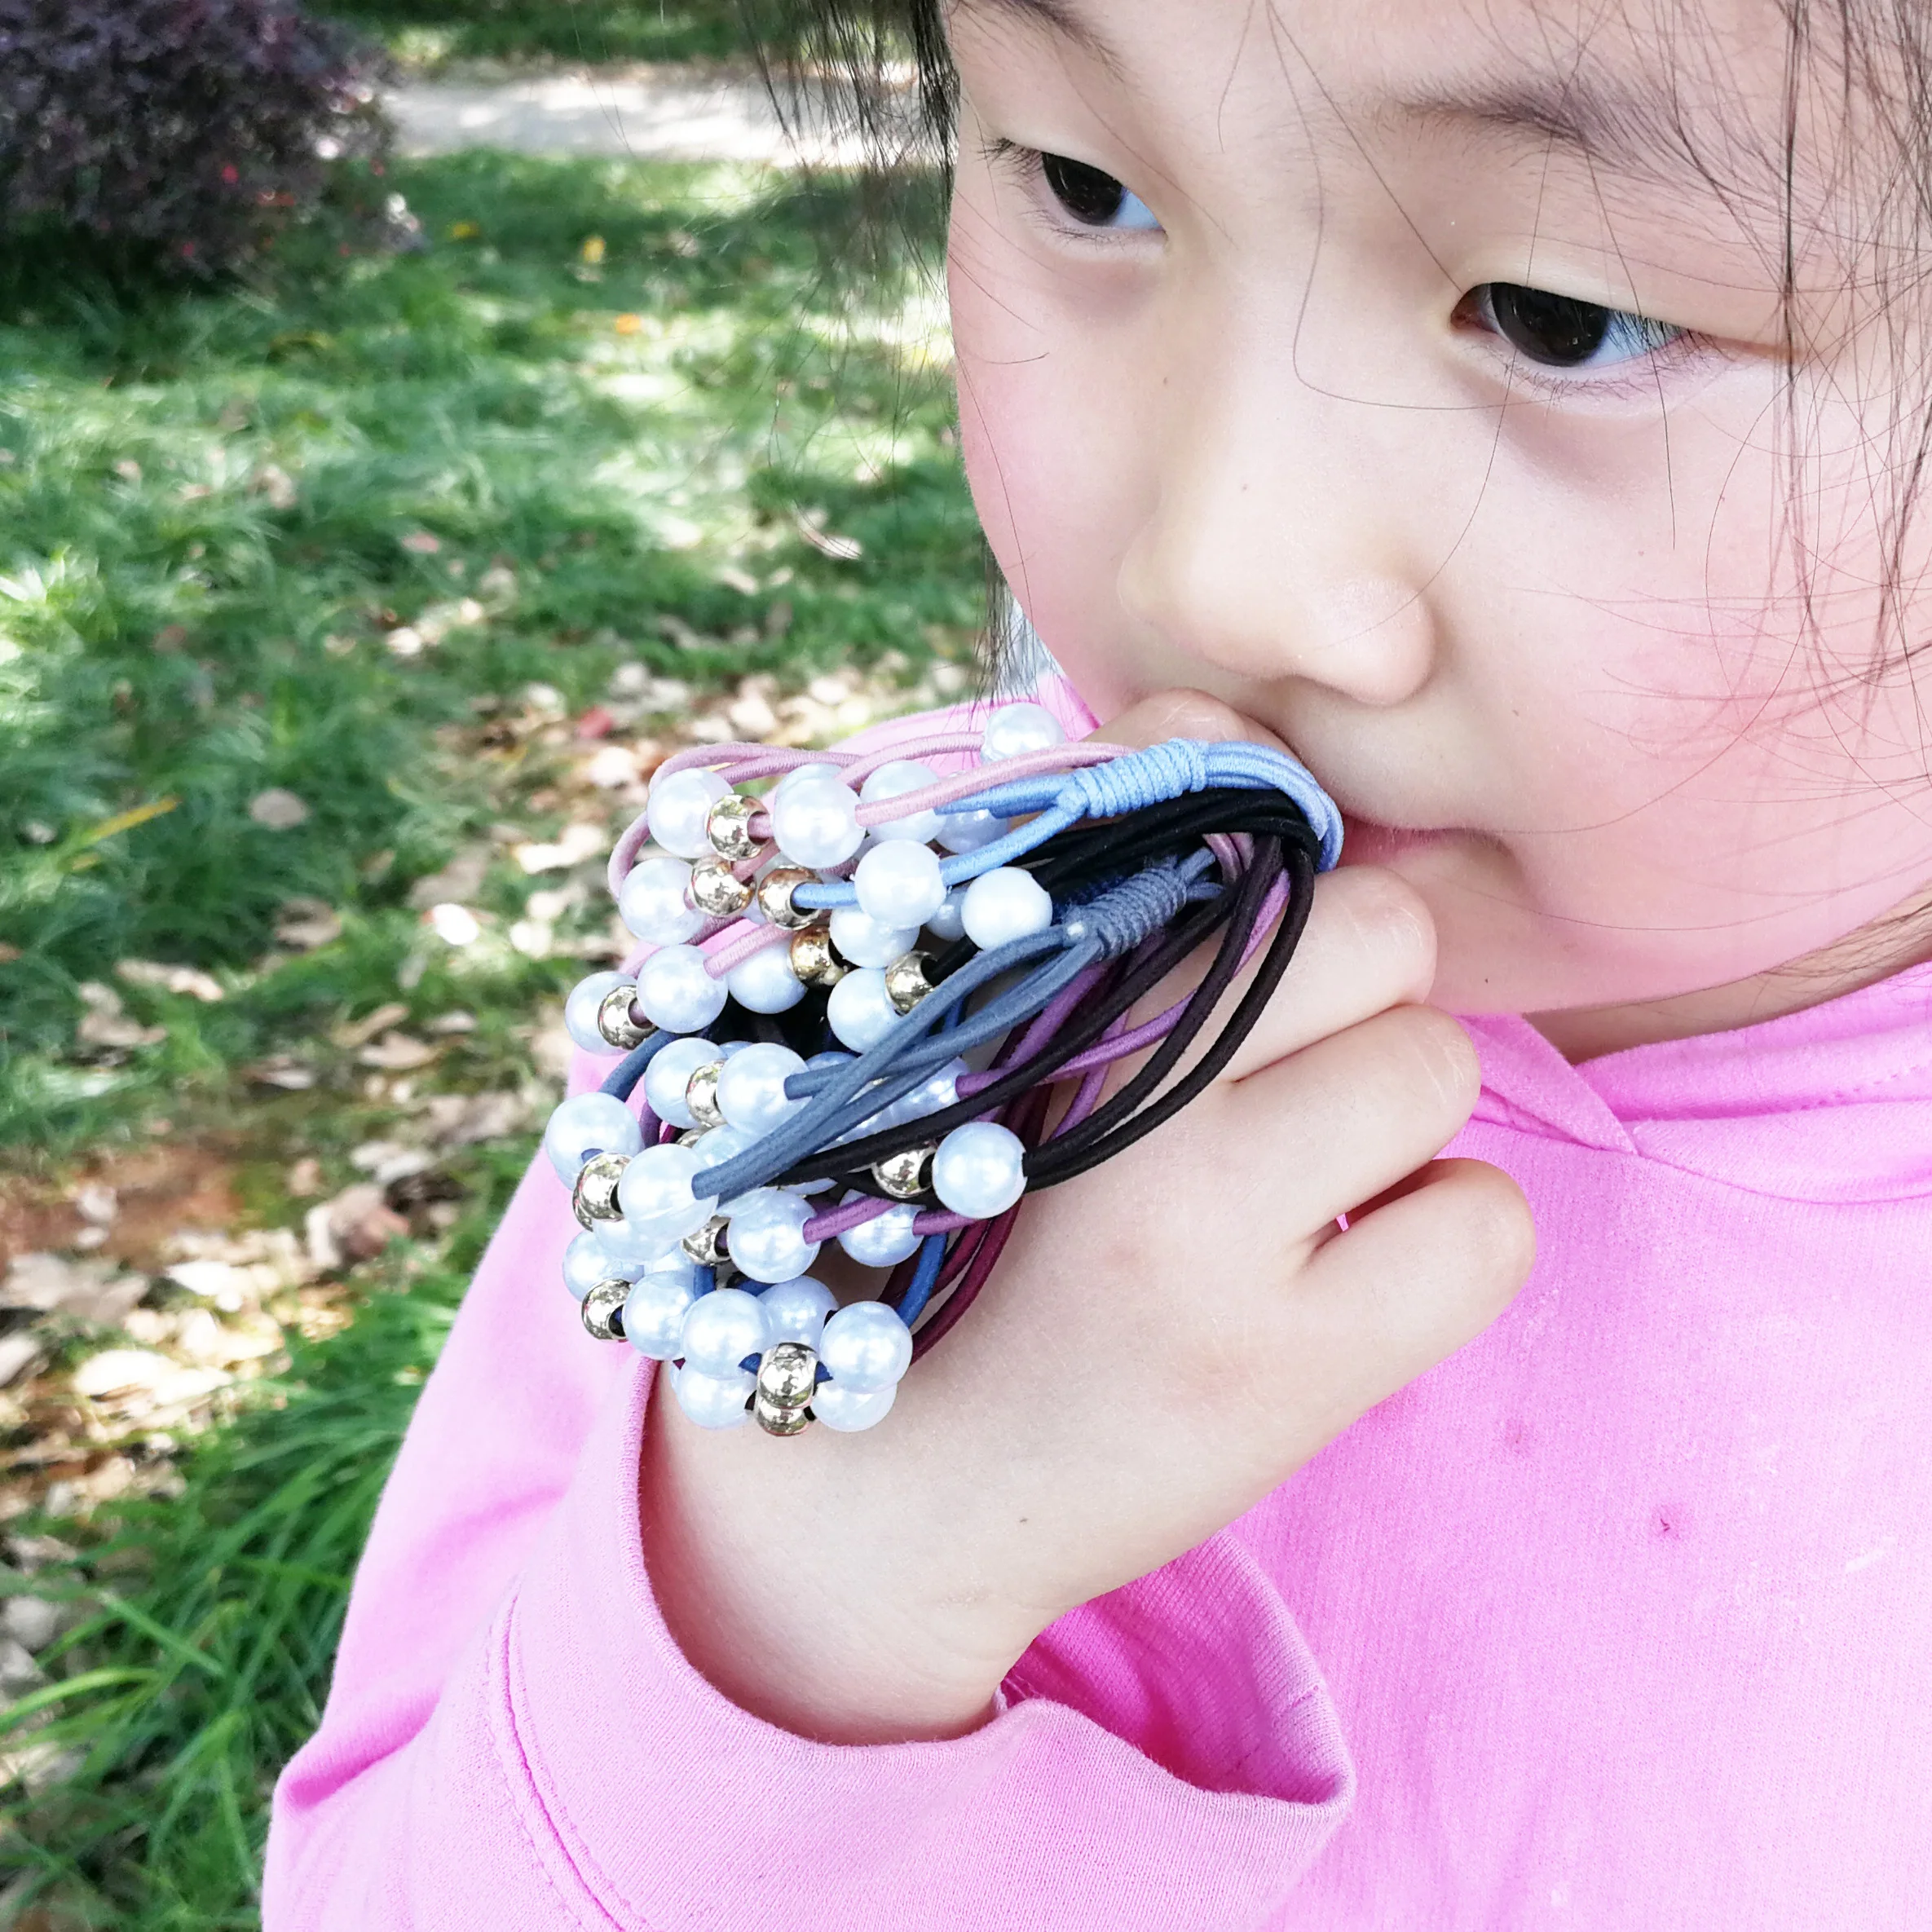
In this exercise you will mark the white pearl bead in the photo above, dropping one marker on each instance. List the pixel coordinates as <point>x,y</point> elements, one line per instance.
<point>677,993</point>
<point>978,1170</point>
<point>860,1010</point>
<point>587,1261</point>
<point>767,1237</point>
<point>1015,729</point>
<point>796,1309</point>
<point>679,807</point>
<point>848,1410</point>
<point>751,1088</point>
<point>587,1124</point>
<point>898,883</point>
<point>885,1241</point>
<point>816,822</point>
<point>798,775</point>
<point>765,983</point>
<point>893,781</point>
<point>655,1193</point>
<point>721,1328</point>
<point>580,1011</point>
<point>949,922</point>
<point>865,942</point>
<point>939,1090</point>
<point>631,1252</point>
<point>713,1401</point>
<point>1003,905</point>
<point>652,901</point>
<point>967,832</point>
<point>669,1073</point>
<point>720,1145</point>
<point>865,1346</point>
<point>654,1314</point>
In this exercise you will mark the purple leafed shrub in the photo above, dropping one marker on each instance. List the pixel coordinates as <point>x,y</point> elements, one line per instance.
<point>188,132</point>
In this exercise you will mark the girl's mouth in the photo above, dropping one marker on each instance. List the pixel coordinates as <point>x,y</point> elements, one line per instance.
<point>1365,843</point>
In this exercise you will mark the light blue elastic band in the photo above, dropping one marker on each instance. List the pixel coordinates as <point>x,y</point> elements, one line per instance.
<point>1162,772</point>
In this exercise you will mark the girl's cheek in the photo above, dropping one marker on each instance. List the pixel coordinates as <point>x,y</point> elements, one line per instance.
<point>1052,471</point>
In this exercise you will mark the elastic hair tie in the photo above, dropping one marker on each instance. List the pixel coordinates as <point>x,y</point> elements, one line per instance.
<point>880,1005</point>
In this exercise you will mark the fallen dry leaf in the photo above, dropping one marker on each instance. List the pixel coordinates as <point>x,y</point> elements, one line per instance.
<point>352,1033</point>
<point>305,924</point>
<point>274,486</point>
<point>19,1353</point>
<point>188,980</point>
<point>397,1054</point>
<point>96,1291</point>
<point>278,809</point>
<point>357,1225</point>
<point>106,1022</point>
<point>283,1071</point>
<point>461,879</point>
<point>464,1119</point>
<point>304,1179</point>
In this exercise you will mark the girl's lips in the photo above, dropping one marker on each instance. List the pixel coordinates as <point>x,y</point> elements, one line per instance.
<point>1364,842</point>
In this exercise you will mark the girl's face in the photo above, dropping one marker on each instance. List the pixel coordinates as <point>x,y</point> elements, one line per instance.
<point>1413,375</point>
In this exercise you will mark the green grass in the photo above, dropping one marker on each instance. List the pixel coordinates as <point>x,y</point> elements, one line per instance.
<point>215,513</point>
<point>429,35</point>
<point>207,503</point>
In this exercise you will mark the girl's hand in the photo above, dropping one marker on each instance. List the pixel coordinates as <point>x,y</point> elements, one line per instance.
<point>1165,1340</point>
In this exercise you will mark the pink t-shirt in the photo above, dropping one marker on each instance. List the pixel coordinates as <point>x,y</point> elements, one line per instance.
<point>1620,1618</point>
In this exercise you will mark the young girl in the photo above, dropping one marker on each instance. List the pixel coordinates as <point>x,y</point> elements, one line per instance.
<point>1518,410</point>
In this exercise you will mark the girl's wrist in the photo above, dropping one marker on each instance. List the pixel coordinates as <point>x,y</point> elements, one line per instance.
<point>774,1602</point>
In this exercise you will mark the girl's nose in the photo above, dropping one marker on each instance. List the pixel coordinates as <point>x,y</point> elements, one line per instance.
<point>1275,548</point>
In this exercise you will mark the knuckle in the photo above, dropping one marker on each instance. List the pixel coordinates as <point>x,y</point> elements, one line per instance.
<point>1182,713</point>
<point>1432,1051</point>
<point>1390,923</point>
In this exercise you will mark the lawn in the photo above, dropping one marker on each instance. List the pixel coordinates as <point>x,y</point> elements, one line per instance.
<point>342,617</point>
<point>430,37</point>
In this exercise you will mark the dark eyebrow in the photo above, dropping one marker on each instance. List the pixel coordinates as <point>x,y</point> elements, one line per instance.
<point>1637,130</point>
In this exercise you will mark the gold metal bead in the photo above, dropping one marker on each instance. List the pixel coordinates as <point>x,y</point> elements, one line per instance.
<point>774,898</point>
<point>616,1022</point>
<point>701,1095</point>
<point>728,825</point>
<point>776,1420</point>
<point>907,1176</point>
<point>815,960</point>
<point>788,1375</point>
<point>706,1247</point>
<point>603,1310</point>
<point>906,981</point>
<point>717,891</point>
<point>594,1197</point>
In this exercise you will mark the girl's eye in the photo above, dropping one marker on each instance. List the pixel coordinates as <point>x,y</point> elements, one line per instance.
<point>1093,197</point>
<point>1560,332</point>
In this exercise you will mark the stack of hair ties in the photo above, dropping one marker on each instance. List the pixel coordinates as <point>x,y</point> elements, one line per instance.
<point>878,1005</point>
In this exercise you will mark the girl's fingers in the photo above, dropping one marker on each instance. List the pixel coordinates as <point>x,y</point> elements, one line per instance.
<point>1408,1283</point>
<point>1348,1117</point>
<point>1370,944</point>
<point>1182,714</point>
